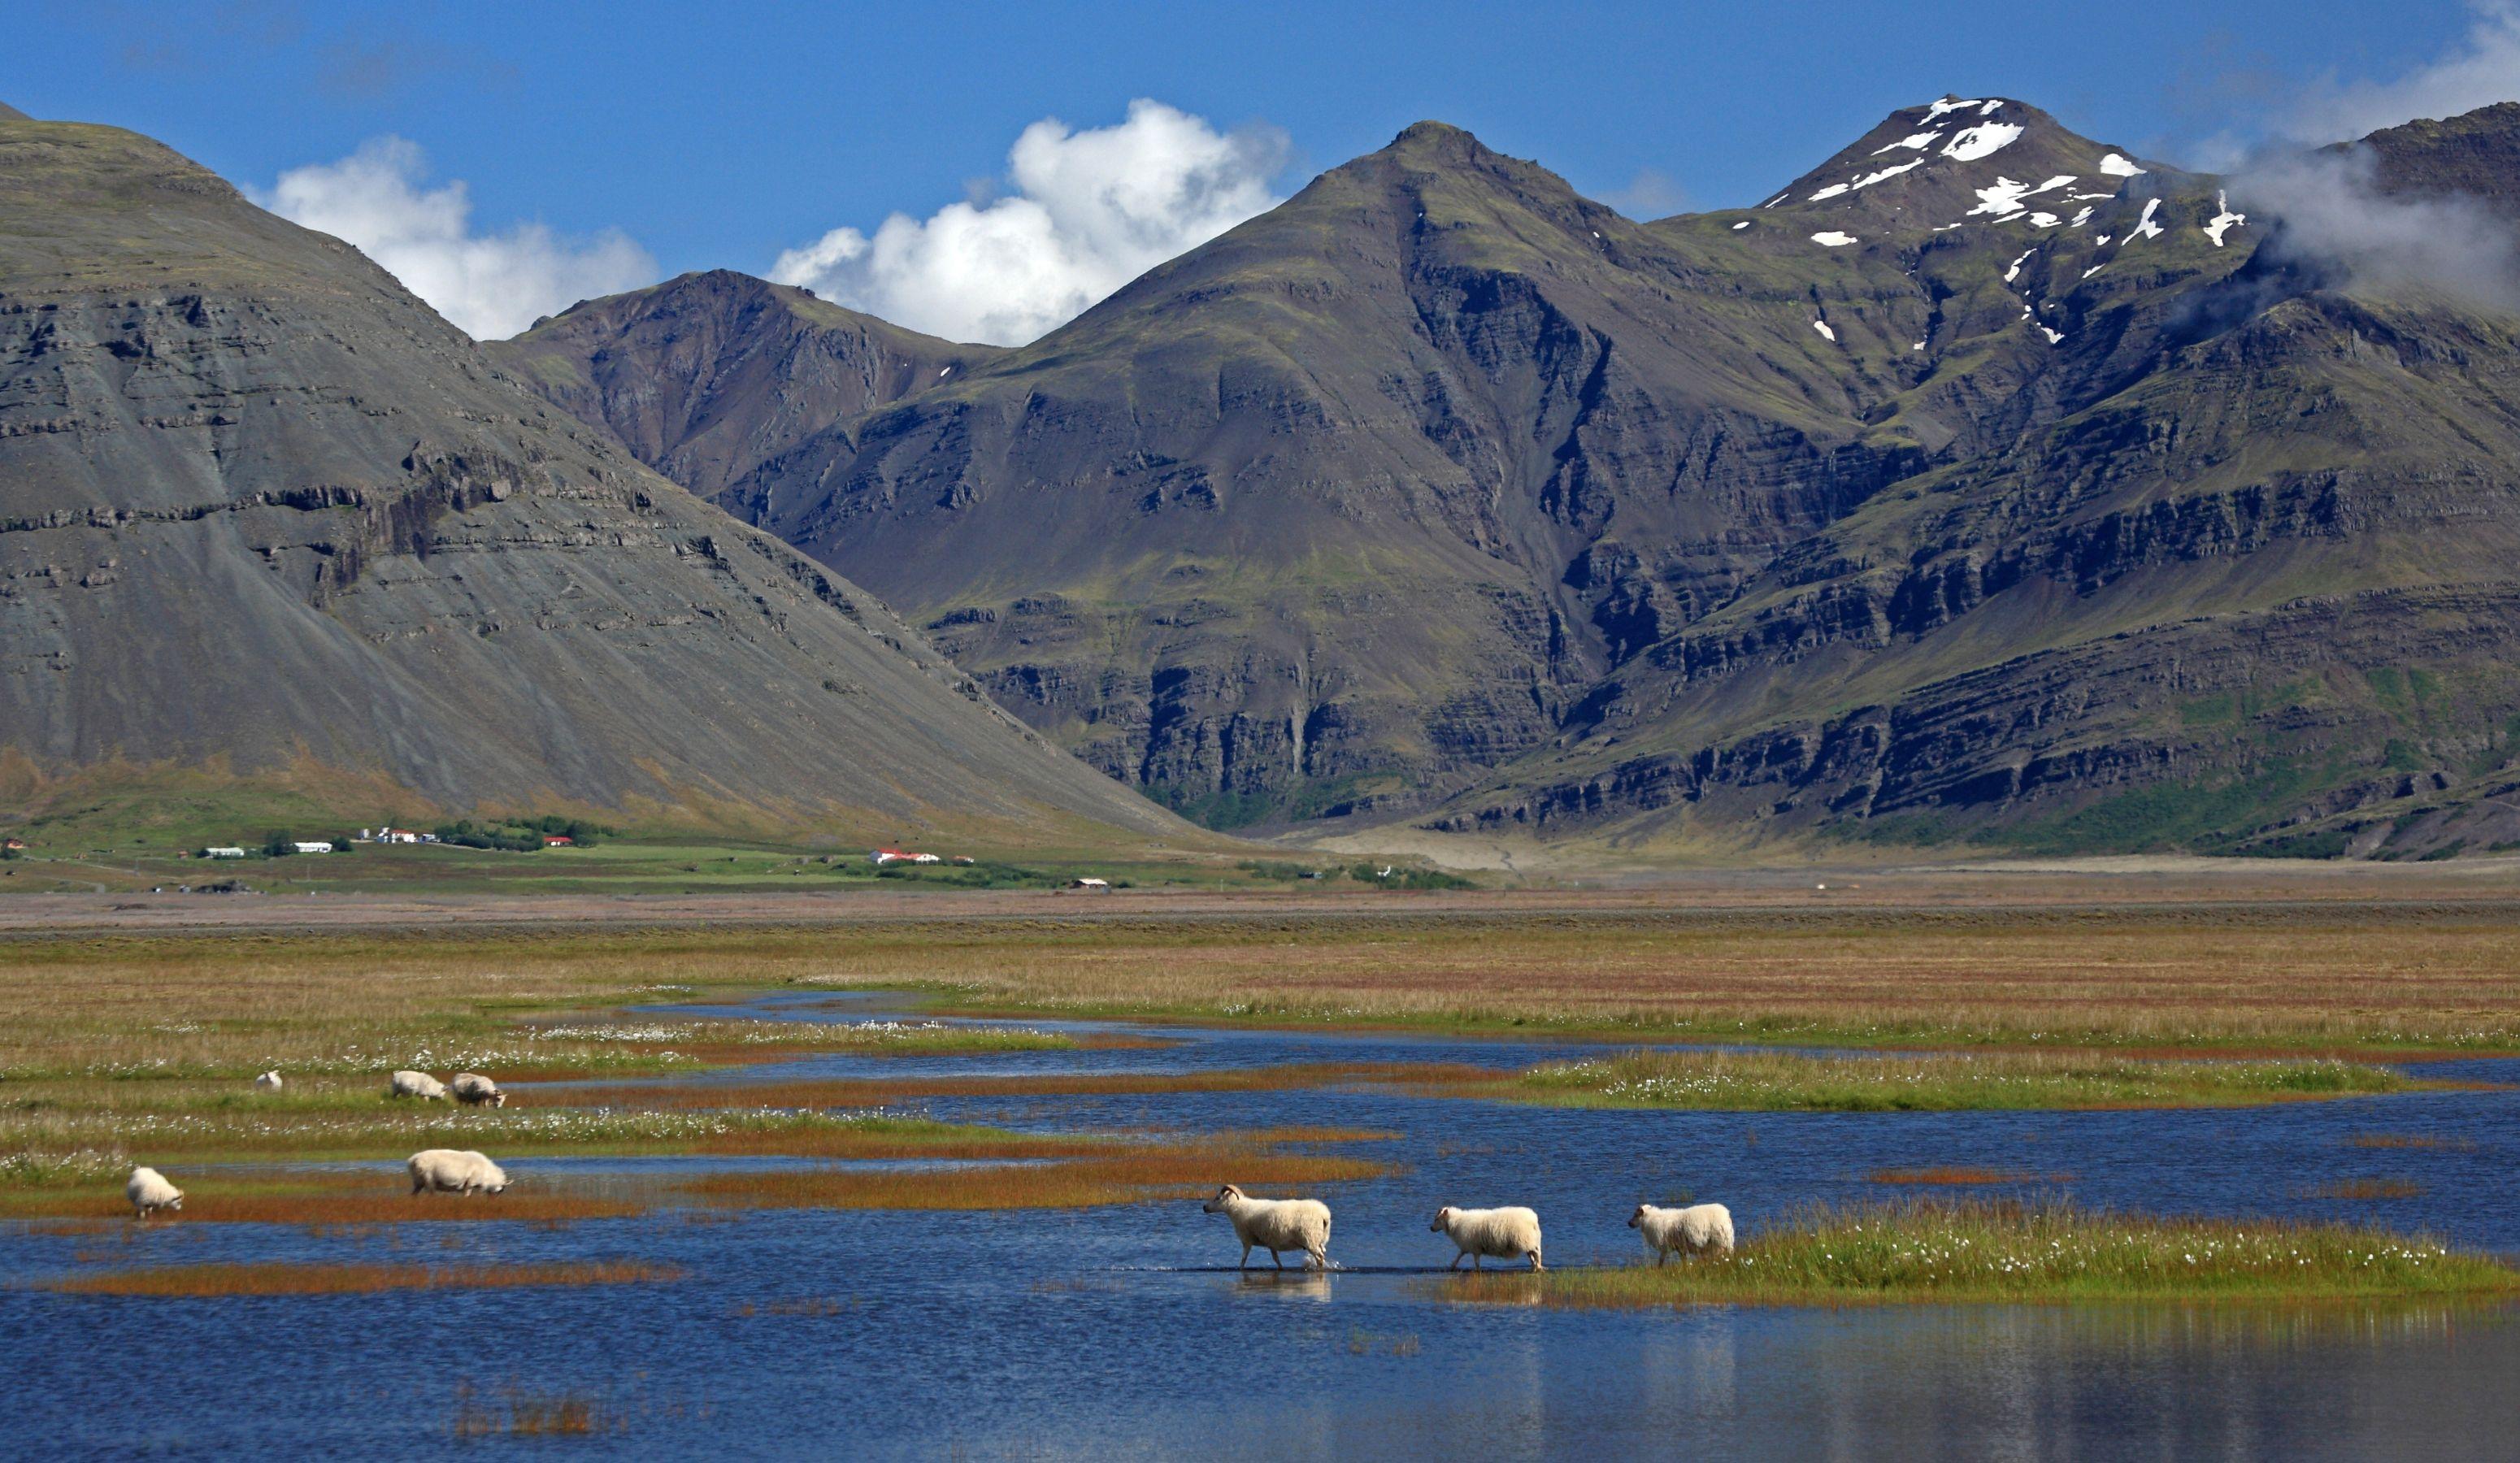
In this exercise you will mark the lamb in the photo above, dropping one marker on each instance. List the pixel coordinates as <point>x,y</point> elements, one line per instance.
<point>1499,1234</point>
<point>1699,1229</point>
<point>472,1089</point>
<point>149,1192</point>
<point>449,1171</point>
<point>416,1084</point>
<point>1275,1225</point>
<point>269,1082</point>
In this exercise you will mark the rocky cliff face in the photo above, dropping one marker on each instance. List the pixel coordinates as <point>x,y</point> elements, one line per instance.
<point>1985,481</point>
<point>259,507</point>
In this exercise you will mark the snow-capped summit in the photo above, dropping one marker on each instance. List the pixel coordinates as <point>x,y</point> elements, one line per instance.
<point>1956,163</point>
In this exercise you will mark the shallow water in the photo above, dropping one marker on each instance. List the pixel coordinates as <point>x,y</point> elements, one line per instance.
<point>1125,1331</point>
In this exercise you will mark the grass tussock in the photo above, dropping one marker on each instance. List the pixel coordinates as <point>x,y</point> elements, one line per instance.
<point>1998,1252</point>
<point>1785,1081</point>
<point>275,1278</point>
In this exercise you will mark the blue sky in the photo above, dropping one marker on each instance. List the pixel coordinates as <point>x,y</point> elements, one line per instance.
<point>729,133</point>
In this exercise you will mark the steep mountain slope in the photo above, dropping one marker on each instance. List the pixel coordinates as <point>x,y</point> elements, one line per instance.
<point>707,376</point>
<point>2247,580</point>
<point>259,508</point>
<point>1355,501</point>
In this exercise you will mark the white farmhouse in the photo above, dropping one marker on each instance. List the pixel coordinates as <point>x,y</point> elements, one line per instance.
<point>223,853</point>
<point>313,848</point>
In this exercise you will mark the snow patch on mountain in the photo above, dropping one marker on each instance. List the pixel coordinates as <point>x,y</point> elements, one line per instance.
<point>2119,166</point>
<point>1917,141</point>
<point>1832,239</point>
<point>2224,220</point>
<point>1949,104</point>
<point>1984,140</point>
<point>2145,227</point>
<point>1821,326</point>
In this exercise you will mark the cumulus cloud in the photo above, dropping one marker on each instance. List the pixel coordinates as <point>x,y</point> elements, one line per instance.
<point>491,286</point>
<point>1085,213</point>
<point>2482,69</point>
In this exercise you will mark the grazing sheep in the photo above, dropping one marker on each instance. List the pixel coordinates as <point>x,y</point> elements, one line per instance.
<point>1699,1229</point>
<point>269,1082</point>
<point>149,1192</point>
<point>450,1171</point>
<point>472,1089</point>
<point>1496,1233</point>
<point>416,1084</point>
<point>1275,1225</point>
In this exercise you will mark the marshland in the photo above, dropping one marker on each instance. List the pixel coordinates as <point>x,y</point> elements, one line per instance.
<point>915,1174</point>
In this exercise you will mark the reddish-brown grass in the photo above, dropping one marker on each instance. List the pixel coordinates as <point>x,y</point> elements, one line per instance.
<point>320,1199</point>
<point>528,1414</point>
<point>275,1278</point>
<point>2409,1140</point>
<point>1962,1176</point>
<point>2364,1189</point>
<point>880,1091</point>
<point>1072,1184</point>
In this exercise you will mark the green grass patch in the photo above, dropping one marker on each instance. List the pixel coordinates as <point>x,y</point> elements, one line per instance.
<point>1926,1250</point>
<point>1783,1082</point>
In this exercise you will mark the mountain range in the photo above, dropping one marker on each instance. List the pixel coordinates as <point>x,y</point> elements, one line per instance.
<point>266,519</point>
<point>1986,484</point>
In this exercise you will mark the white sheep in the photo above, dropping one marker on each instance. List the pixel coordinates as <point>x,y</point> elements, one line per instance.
<point>450,1171</point>
<point>416,1084</point>
<point>269,1082</point>
<point>1496,1233</point>
<point>149,1192</point>
<point>1275,1225</point>
<point>472,1089</point>
<point>1699,1229</point>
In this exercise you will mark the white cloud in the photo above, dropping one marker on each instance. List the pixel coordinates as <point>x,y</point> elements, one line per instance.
<point>2484,69</point>
<point>491,286</point>
<point>2337,221</point>
<point>1089,211</point>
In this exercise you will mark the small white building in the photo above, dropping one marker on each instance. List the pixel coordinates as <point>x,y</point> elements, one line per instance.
<point>925,859</point>
<point>1103,886</point>
<point>313,848</point>
<point>223,853</point>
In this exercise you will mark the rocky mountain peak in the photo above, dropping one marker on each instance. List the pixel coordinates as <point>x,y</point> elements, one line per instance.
<point>2476,153</point>
<point>1957,160</point>
<point>9,113</point>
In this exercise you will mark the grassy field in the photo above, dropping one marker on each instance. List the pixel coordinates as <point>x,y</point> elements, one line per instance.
<point>1787,1081</point>
<point>1996,1252</point>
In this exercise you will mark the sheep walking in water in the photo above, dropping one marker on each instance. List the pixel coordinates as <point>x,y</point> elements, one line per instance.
<point>269,1082</point>
<point>1275,1225</point>
<point>1493,1234</point>
<point>1699,1229</point>
<point>149,1192</point>
<point>451,1170</point>
<point>472,1089</point>
<point>416,1084</point>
